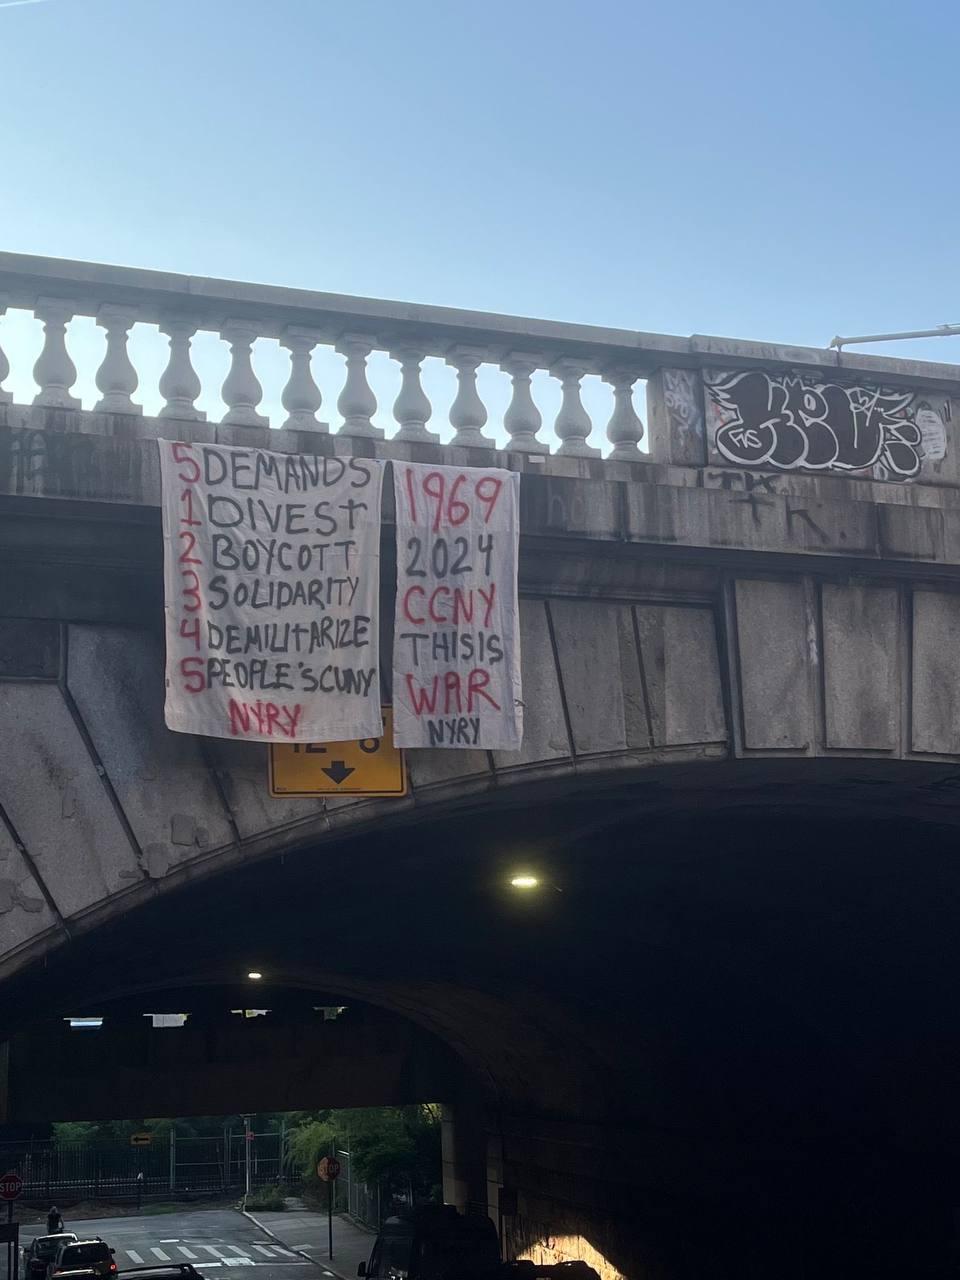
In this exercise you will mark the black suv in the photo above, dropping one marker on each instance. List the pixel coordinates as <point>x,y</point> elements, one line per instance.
<point>83,1255</point>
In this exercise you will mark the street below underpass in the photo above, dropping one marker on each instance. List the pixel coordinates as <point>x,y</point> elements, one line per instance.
<point>225,1243</point>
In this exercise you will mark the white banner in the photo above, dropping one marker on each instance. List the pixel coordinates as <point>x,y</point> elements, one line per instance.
<point>271,585</point>
<point>456,648</point>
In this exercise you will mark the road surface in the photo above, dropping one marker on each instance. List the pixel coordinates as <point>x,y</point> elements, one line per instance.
<point>221,1243</point>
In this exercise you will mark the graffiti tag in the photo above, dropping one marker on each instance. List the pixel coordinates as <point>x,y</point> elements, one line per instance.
<point>794,423</point>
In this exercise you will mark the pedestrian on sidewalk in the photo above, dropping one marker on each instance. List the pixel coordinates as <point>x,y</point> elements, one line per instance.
<point>54,1221</point>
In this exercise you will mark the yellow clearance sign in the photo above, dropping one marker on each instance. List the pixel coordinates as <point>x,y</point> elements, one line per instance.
<point>370,767</point>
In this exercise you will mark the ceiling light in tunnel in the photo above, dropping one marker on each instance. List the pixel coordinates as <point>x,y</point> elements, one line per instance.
<point>255,975</point>
<point>524,881</point>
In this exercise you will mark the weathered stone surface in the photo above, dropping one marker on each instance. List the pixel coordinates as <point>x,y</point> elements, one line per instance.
<point>115,676</point>
<point>675,417</point>
<point>774,645</point>
<point>427,769</point>
<point>668,515</point>
<point>911,533</point>
<point>600,672</point>
<point>558,505</point>
<point>24,913</point>
<point>682,673</point>
<point>56,802</point>
<point>242,770</point>
<point>29,650</point>
<point>544,727</point>
<point>935,709</point>
<point>861,666</point>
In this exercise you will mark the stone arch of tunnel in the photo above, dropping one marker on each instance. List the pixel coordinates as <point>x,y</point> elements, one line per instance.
<point>725,1020</point>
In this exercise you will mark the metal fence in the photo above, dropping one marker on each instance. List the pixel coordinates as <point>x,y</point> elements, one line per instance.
<point>362,1200</point>
<point>170,1165</point>
<point>367,1202</point>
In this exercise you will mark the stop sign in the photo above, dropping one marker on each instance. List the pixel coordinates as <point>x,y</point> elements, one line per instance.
<point>328,1169</point>
<point>11,1186</point>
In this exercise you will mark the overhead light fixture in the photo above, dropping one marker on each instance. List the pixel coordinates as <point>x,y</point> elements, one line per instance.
<point>255,975</point>
<point>524,881</point>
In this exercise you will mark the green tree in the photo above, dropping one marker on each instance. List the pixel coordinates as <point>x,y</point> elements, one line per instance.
<point>75,1131</point>
<point>396,1146</point>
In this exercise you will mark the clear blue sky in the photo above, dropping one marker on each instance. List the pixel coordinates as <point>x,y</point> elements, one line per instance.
<point>763,170</point>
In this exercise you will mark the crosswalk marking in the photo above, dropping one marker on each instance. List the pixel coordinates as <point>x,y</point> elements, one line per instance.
<point>222,1255</point>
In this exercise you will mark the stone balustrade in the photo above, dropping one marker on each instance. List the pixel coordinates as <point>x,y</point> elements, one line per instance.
<point>300,321</point>
<point>180,307</point>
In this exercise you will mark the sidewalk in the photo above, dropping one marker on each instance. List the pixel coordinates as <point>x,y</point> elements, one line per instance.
<point>305,1230</point>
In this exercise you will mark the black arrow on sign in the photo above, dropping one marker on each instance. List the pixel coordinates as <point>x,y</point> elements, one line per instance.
<point>338,772</point>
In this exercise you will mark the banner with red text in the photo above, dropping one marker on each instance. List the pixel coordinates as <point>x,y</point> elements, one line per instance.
<point>271,590</point>
<point>456,648</point>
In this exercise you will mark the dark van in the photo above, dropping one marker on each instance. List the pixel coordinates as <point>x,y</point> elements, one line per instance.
<point>435,1242</point>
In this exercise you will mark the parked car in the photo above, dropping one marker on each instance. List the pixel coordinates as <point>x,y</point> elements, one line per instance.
<point>83,1255</point>
<point>40,1252</point>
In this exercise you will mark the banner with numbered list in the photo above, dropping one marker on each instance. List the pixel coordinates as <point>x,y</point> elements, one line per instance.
<point>271,589</point>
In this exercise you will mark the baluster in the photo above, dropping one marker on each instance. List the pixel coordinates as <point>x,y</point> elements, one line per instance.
<point>357,403</point>
<point>241,388</point>
<point>412,409</point>
<point>55,373</point>
<point>301,396</point>
<point>523,419</point>
<point>6,397</point>
<point>116,377</point>
<point>179,384</point>
<point>573,423</point>
<point>468,412</point>
<point>624,430</point>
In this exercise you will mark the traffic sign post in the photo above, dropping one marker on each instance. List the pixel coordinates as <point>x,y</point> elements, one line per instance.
<point>10,1234</point>
<point>11,1188</point>
<point>370,767</point>
<point>328,1171</point>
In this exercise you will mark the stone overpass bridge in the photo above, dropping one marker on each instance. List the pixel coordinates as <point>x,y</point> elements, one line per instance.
<point>742,729</point>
